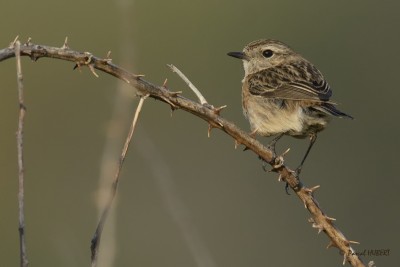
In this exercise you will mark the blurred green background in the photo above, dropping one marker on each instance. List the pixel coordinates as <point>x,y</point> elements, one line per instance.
<point>185,199</point>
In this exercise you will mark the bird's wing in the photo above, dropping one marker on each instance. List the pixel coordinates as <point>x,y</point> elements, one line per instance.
<point>295,82</point>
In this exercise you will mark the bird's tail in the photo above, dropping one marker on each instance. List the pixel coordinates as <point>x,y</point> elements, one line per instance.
<point>332,110</point>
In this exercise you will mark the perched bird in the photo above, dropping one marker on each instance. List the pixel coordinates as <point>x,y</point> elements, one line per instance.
<point>284,94</point>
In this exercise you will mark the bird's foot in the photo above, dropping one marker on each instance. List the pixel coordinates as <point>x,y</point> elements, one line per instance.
<point>277,162</point>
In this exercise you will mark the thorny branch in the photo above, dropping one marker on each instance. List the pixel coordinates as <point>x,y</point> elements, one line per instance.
<point>16,45</point>
<point>319,219</point>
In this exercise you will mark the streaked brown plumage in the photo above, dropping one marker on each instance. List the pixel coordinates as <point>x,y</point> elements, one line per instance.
<point>283,93</point>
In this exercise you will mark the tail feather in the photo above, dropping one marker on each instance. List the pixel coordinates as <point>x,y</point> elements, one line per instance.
<point>332,110</point>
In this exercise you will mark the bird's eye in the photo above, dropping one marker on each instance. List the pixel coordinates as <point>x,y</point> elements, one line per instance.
<point>267,53</point>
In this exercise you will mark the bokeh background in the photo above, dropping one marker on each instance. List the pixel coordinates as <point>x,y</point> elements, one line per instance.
<point>185,199</point>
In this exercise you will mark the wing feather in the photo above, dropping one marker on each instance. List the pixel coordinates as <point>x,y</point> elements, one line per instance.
<point>294,82</point>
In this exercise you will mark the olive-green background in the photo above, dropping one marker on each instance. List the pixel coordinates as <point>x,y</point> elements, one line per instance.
<point>185,199</point>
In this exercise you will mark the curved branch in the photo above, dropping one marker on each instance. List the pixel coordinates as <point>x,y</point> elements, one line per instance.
<point>319,219</point>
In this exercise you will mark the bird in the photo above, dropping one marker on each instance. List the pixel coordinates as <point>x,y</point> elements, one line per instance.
<point>284,94</point>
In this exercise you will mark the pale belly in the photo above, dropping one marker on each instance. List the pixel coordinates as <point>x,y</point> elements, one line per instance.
<point>269,117</point>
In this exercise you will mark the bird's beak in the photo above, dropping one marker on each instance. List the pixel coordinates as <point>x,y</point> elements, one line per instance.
<point>239,55</point>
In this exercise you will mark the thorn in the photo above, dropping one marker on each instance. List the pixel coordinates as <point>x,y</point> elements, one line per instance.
<point>348,242</point>
<point>12,44</point>
<point>330,218</point>
<point>210,127</point>
<point>344,258</point>
<point>165,83</point>
<point>93,71</point>
<point>218,110</point>
<point>280,177</point>
<point>175,94</point>
<point>237,143</point>
<point>125,80</point>
<point>305,204</point>
<point>312,189</point>
<point>330,245</point>
<point>137,76</point>
<point>316,225</point>
<point>173,106</point>
<point>28,42</point>
<point>65,45</point>
<point>253,133</point>
<point>107,59</point>
<point>78,66</point>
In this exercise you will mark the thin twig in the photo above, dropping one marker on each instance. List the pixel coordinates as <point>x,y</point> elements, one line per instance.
<point>20,149</point>
<point>97,235</point>
<point>208,114</point>
<point>189,83</point>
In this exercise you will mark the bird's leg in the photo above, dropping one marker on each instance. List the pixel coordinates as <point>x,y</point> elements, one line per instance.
<point>271,146</point>
<point>313,138</point>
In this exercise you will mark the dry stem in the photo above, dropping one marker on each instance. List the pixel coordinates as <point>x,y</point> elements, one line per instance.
<point>20,149</point>
<point>97,235</point>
